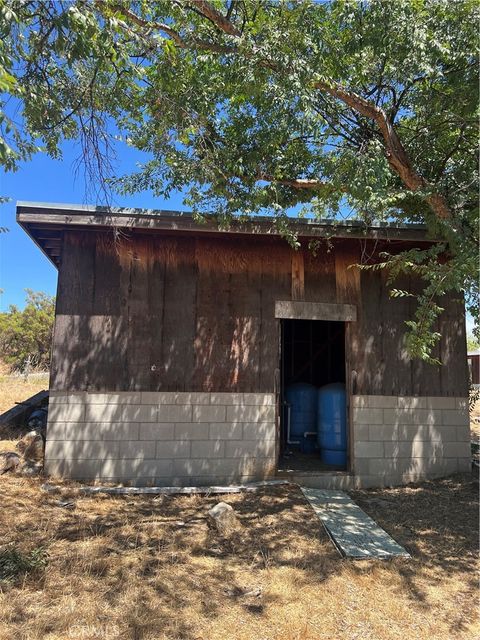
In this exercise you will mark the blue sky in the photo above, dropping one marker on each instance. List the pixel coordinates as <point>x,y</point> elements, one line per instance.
<point>22,264</point>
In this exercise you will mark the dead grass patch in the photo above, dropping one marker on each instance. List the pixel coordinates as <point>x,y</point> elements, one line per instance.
<point>149,567</point>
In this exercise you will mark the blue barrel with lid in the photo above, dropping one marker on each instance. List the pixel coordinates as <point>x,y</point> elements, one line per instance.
<point>302,399</point>
<point>332,424</point>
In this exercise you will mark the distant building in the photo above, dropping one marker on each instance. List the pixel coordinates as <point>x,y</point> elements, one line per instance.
<point>473,359</point>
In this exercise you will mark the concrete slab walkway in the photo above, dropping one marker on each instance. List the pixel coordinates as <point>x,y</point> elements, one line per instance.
<point>352,531</point>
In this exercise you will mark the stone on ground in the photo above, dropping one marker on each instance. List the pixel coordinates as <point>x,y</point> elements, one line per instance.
<point>9,461</point>
<point>223,517</point>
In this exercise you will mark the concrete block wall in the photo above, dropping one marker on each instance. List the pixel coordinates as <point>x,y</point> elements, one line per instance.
<point>161,438</point>
<point>397,440</point>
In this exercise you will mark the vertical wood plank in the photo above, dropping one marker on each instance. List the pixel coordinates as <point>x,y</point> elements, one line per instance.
<point>298,275</point>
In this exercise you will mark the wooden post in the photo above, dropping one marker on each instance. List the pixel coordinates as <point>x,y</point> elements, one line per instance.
<point>348,292</point>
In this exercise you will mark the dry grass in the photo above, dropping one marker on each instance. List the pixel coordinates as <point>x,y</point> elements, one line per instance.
<point>142,568</point>
<point>12,390</point>
<point>15,389</point>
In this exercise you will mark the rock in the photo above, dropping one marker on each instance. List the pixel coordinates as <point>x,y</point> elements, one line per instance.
<point>222,516</point>
<point>32,446</point>
<point>9,461</point>
<point>66,504</point>
<point>31,469</point>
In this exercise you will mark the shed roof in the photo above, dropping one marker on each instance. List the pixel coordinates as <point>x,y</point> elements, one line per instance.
<point>45,223</point>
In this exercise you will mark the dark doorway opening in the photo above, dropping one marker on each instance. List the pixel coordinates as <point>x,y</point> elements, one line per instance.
<point>312,353</point>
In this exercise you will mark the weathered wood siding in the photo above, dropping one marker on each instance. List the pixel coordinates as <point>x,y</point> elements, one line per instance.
<point>185,313</point>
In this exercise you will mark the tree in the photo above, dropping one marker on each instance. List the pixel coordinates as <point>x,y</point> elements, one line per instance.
<point>26,336</point>
<point>345,107</point>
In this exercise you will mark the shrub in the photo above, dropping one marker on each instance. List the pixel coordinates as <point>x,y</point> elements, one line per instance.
<point>26,335</point>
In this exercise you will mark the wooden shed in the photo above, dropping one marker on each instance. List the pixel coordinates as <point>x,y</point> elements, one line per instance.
<point>175,342</point>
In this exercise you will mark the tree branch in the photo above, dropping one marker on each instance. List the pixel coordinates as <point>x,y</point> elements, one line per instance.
<point>221,22</point>
<point>395,152</point>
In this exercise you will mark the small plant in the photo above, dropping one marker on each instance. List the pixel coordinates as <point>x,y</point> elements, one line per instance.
<point>14,563</point>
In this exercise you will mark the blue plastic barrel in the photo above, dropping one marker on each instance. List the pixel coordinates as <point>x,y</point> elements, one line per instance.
<point>302,398</point>
<point>332,424</point>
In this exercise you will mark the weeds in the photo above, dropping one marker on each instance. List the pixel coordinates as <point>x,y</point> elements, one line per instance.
<point>15,563</point>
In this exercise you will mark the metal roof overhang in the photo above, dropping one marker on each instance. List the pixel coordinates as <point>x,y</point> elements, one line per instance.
<point>45,224</point>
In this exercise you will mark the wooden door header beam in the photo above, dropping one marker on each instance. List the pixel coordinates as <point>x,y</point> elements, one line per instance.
<point>296,310</point>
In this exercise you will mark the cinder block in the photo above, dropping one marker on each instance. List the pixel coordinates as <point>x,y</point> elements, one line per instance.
<point>259,430</point>
<point>398,416</point>
<point>118,397</point>
<point>440,402</point>
<point>173,449</point>
<point>259,399</point>
<point>243,448</point>
<point>158,397</point>
<point>411,402</point>
<point>381,402</point>
<point>156,431</point>
<point>208,449</point>
<point>462,403</point>
<point>174,413</point>
<point>230,468</point>
<point>141,413</point>
<point>414,449</point>
<point>455,417</point>
<point>189,431</point>
<point>464,464</point>
<point>104,413</point>
<point>384,466</point>
<point>194,397</point>
<point>251,413</point>
<point>226,399</point>
<point>137,449</point>
<point>463,433</point>
<point>226,431</point>
<point>101,431</point>
<point>367,416</point>
<point>457,449</point>
<point>81,449</point>
<point>427,416</point>
<point>202,413</point>
<point>56,430</point>
<point>360,432</point>
<point>368,450</point>
<point>132,468</point>
<point>66,413</point>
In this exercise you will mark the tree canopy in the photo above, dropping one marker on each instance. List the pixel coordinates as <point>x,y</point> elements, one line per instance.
<point>347,108</point>
<point>26,335</point>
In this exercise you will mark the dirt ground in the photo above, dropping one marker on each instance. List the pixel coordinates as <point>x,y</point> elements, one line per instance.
<point>144,568</point>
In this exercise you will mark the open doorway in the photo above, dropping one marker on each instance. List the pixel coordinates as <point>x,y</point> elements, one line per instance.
<point>312,358</point>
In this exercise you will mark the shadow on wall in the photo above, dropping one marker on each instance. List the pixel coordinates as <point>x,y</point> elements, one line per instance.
<point>162,438</point>
<point>163,313</point>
